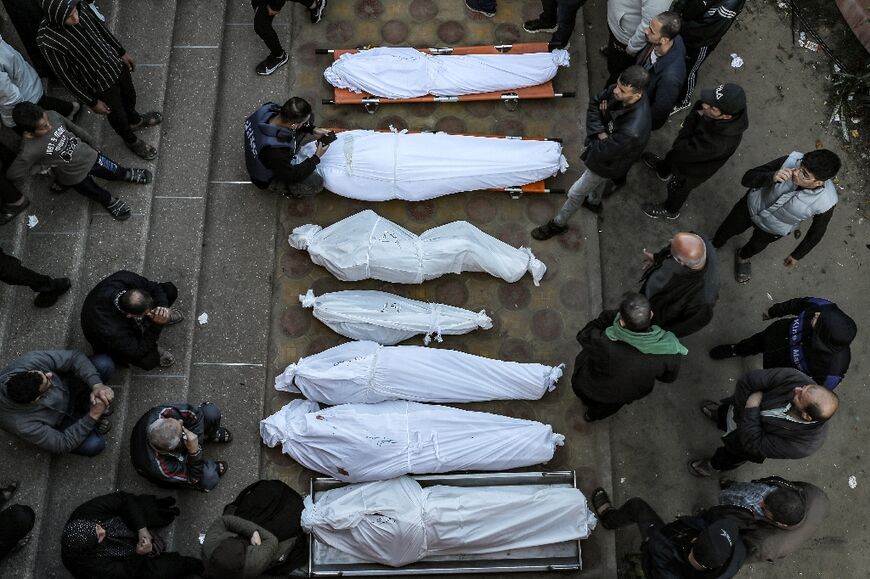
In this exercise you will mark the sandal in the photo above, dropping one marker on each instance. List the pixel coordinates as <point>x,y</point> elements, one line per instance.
<point>700,468</point>
<point>150,119</point>
<point>742,269</point>
<point>222,467</point>
<point>599,499</point>
<point>710,409</point>
<point>138,176</point>
<point>222,435</point>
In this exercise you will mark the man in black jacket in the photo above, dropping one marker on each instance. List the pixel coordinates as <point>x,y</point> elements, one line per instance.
<point>95,67</point>
<point>709,136</point>
<point>123,317</point>
<point>617,131</point>
<point>815,341</point>
<point>778,413</point>
<point>705,22</point>
<point>690,546</point>
<point>664,56</point>
<point>622,357</point>
<point>166,447</point>
<point>681,282</point>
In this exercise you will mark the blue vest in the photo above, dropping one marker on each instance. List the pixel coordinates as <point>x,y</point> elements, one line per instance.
<point>260,134</point>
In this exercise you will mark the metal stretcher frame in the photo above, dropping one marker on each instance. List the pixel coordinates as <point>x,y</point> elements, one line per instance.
<point>509,97</point>
<point>515,192</point>
<point>560,557</point>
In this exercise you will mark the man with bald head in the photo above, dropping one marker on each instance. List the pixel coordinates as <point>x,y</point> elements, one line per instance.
<point>776,413</point>
<point>681,282</point>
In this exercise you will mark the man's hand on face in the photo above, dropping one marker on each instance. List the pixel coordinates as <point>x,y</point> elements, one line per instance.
<point>602,106</point>
<point>191,441</point>
<point>782,175</point>
<point>159,315</point>
<point>754,400</point>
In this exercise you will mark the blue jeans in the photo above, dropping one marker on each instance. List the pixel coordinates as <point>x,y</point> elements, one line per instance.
<point>104,168</point>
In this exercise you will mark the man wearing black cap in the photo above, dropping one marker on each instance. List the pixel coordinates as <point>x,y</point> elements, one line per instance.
<point>709,136</point>
<point>815,341</point>
<point>691,546</point>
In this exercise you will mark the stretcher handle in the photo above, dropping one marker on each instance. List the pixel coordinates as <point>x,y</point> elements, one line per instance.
<point>323,51</point>
<point>566,95</point>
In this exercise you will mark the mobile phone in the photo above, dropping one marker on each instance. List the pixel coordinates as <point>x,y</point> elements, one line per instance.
<point>328,138</point>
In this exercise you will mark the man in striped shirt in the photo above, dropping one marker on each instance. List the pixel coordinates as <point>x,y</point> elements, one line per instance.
<point>93,65</point>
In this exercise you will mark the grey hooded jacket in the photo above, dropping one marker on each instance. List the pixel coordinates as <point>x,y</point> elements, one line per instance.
<point>18,82</point>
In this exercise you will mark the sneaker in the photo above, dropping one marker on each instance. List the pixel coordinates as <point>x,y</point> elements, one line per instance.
<point>548,230</point>
<point>654,163</point>
<point>595,208</point>
<point>316,13</point>
<point>10,211</point>
<point>657,211</point>
<point>138,176</point>
<point>142,149</point>
<point>271,64</point>
<point>166,358</point>
<point>48,298</point>
<point>723,352</point>
<point>118,209</point>
<point>175,317</point>
<point>680,107</point>
<point>478,10</point>
<point>538,25</point>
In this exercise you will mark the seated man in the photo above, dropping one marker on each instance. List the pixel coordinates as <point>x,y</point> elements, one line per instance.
<point>775,516</point>
<point>165,447</point>
<point>56,400</point>
<point>50,141</point>
<point>273,136</point>
<point>123,317</point>
<point>623,356</point>
<point>815,341</point>
<point>681,282</point>
<point>690,546</point>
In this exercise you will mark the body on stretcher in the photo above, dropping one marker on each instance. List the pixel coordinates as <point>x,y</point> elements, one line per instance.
<point>510,96</point>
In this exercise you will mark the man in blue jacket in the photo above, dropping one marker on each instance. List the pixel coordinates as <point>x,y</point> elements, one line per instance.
<point>617,131</point>
<point>664,57</point>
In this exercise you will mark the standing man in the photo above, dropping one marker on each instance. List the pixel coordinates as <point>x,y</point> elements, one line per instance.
<point>273,136</point>
<point>57,401</point>
<point>705,22</point>
<point>778,413</point>
<point>623,355</point>
<point>264,13</point>
<point>93,65</point>
<point>664,57</point>
<point>627,21</point>
<point>815,341</point>
<point>681,282</point>
<point>123,316</point>
<point>709,136</point>
<point>617,131</point>
<point>781,194</point>
<point>558,17</point>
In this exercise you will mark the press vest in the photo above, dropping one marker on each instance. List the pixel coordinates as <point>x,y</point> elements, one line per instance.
<point>259,133</point>
<point>779,209</point>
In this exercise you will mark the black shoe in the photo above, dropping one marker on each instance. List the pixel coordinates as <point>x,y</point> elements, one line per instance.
<point>538,25</point>
<point>478,10</point>
<point>657,211</point>
<point>271,64</point>
<point>10,211</point>
<point>595,208</point>
<point>315,13</point>
<point>723,351</point>
<point>548,230</point>
<point>138,176</point>
<point>48,298</point>
<point>118,209</point>
<point>653,162</point>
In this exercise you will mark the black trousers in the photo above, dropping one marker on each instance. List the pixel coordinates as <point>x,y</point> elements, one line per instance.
<point>9,193</point>
<point>264,29</point>
<point>121,100</point>
<point>679,187</point>
<point>596,410</point>
<point>736,223</point>
<point>562,13</point>
<point>726,458</point>
<point>634,511</point>
<point>617,58</point>
<point>13,273</point>
<point>15,523</point>
<point>695,57</point>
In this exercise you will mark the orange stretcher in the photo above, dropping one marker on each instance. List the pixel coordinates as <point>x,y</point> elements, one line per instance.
<point>511,98</point>
<point>515,192</point>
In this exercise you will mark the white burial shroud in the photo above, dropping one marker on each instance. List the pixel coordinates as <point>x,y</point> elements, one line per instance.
<point>389,319</point>
<point>366,442</point>
<point>375,166</point>
<point>367,246</point>
<point>396,522</point>
<point>400,72</point>
<point>366,372</point>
